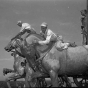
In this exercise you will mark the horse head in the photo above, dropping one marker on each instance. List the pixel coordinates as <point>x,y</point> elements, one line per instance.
<point>13,44</point>
<point>10,46</point>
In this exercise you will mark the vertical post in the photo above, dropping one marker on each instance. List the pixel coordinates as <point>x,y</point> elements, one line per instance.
<point>87,21</point>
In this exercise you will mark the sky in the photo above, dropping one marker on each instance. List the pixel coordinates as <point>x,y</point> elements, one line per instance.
<point>62,17</point>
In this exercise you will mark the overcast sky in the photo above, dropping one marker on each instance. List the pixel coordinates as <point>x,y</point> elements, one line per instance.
<point>62,16</point>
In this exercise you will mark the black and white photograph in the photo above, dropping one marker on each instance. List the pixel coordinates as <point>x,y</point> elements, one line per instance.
<point>43,43</point>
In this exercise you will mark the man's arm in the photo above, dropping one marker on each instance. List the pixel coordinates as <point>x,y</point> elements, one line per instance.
<point>46,41</point>
<point>22,32</point>
<point>49,34</point>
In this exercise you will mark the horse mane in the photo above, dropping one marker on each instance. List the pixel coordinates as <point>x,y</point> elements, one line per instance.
<point>33,36</point>
<point>37,35</point>
<point>40,48</point>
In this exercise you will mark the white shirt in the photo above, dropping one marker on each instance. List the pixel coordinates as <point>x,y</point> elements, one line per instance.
<point>25,26</point>
<point>48,35</point>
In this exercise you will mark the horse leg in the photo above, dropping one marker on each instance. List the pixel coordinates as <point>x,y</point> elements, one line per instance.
<point>16,83</point>
<point>27,77</point>
<point>17,76</point>
<point>44,84</point>
<point>67,80</point>
<point>41,82</point>
<point>54,78</point>
<point>26,82</point>
<point>12,77</point>
<point>8,83</point>
<point>30,81</point>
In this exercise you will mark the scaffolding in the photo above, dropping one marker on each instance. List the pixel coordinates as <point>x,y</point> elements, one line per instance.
<point>84,26</point>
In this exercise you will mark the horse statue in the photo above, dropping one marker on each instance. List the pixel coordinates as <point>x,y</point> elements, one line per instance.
<point>18,68</point>
<point>22,70</point>
<point>53,66</point>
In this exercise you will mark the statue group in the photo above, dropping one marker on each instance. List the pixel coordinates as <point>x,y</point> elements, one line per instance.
<point>58,65</point>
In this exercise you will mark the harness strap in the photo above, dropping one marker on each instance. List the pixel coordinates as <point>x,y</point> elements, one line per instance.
<point>41,57</point>
<point>39,61</point>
